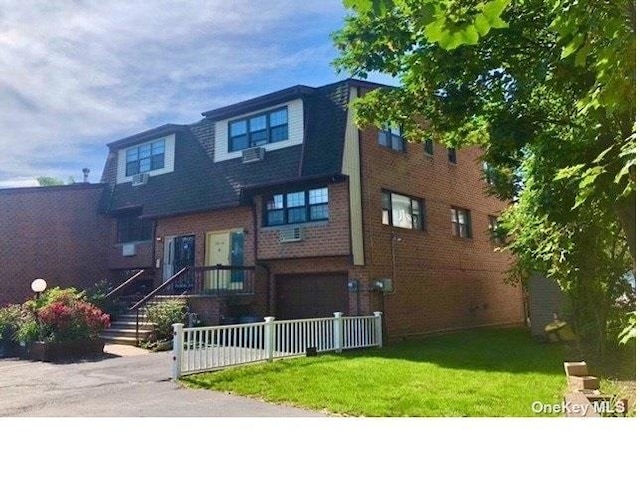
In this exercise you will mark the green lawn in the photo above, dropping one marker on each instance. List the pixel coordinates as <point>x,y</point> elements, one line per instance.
<point>473,373</point>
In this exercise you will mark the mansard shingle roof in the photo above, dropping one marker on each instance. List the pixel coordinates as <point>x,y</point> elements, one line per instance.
<point>199,184</point>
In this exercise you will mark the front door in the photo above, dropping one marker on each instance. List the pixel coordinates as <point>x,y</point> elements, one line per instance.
<point>224,248</point>
<point>179,252</point>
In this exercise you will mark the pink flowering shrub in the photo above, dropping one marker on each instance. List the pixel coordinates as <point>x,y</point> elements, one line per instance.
<point>59,314</point>
<point>71,319</point>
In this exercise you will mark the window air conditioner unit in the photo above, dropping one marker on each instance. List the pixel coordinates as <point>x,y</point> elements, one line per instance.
<point>139,179</point>
<point>128,249</point>
<point>291,235</point>
<point>253,154</point>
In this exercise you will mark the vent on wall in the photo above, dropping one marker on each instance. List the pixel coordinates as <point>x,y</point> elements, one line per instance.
<point>128,249</point>
<point>291,235</point>
<point>253,154</point>
<point>139,179</point>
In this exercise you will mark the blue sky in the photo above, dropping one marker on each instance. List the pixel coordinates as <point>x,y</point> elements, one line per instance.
<point>77,74</point>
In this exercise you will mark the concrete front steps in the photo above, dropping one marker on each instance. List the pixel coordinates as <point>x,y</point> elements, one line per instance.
<point>123,330</point>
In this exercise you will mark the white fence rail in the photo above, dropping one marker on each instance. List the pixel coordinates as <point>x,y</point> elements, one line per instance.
<point>202,349</point>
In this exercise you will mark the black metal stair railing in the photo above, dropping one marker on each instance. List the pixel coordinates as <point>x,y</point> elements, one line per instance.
<point>220,280</point>
<point>166,285</point>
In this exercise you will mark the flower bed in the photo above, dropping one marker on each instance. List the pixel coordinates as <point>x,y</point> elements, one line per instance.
<point>57,325</point>
<point>42,351</point>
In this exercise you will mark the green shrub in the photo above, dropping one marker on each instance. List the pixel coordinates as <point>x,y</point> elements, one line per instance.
<point>66,296</point>
<point>28,330</point>
<point>60,314</point>
<point>18,323</point>
<point>96,294</point>
<point>164,314</point>
<point>8,320</point>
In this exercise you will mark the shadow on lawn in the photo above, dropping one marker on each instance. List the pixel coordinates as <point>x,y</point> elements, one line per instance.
<point>510,350</point>
<point>503,350</point>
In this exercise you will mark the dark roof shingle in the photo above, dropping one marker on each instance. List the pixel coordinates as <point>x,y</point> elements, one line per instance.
<point>199,184</point>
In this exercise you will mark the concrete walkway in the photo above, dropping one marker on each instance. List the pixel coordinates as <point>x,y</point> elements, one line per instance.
<point>124,383</point>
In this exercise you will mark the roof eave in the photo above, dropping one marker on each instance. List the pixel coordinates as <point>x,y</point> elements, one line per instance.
<point>146,135</point>
<point>247,192</point>
<point>260,102</point>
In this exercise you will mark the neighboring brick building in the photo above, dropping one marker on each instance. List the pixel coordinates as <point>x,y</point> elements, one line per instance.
<point>283,204</point>
<point>55,233</point>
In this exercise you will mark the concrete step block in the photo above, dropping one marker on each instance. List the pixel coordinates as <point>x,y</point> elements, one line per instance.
<point>576,368</point>
<point>579,383</point>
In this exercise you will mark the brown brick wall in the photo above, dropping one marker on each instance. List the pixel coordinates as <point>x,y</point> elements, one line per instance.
<point>441,281</point>
<point>116,261</point>
<point>53,233</point>
<point>319,239</point>
<point>201,223</point>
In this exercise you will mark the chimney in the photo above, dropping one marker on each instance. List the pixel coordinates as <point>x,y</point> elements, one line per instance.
<point>85,172</point>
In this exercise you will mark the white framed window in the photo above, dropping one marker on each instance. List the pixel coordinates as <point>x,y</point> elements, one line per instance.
<point>258,130</point>
<point>145,157</point>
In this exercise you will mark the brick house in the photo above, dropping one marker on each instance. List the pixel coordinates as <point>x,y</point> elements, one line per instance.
<point>323,216</point>
<point>56,233</point>
<point>281,203</point>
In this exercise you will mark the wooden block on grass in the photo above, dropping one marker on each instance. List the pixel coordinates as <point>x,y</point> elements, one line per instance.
<point>579,383</point>
<point>577,405</point>
<point>576,368</point>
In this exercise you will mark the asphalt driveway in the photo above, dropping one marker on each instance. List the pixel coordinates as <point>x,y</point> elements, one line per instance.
<point>117,386</point>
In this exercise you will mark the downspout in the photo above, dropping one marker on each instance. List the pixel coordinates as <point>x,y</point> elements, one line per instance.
<point>305,116</point>
<point>254,215</point>
<point>153,248</point>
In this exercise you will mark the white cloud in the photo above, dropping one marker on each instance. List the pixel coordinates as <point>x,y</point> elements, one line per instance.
<point>77,74</point>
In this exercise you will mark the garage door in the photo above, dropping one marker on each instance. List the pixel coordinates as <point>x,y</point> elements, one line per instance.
<point>311,296</point>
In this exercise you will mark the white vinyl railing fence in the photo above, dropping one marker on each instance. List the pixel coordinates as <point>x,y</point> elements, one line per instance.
<point>214,347</point>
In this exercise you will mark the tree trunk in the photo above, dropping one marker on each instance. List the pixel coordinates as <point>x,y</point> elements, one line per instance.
<point>626,212</point>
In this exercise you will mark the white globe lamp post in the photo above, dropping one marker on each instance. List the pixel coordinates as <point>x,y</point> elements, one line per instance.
<point>38,286</point>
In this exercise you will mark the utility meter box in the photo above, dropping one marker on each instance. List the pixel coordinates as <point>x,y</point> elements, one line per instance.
<point>384,285</point>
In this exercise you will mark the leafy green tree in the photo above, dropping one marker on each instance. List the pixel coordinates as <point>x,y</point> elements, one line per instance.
<point>547,88</point>
<point>49,181</point>
<point>512,76</point>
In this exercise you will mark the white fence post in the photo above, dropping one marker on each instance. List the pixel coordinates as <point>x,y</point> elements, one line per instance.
<point>338,332</point>
<point>269,336</point>
<point>378,315</point>
<point>178,349</point>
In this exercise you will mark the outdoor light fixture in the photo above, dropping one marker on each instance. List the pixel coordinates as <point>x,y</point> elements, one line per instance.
<point>38,285</point>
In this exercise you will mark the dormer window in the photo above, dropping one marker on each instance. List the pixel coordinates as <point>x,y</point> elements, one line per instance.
<point>264,128</point>
<point>145,157</point>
